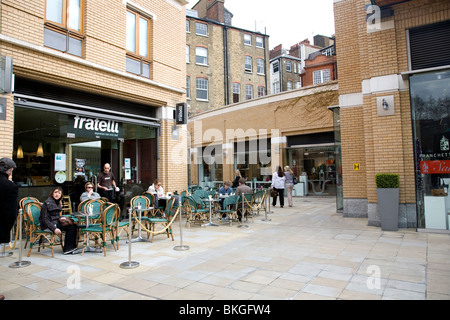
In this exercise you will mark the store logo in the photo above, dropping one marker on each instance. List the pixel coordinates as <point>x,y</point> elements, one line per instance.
<point>96,125</point>
<point>444,144</point>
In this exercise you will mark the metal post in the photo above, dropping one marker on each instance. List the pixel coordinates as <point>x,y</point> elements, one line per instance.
<point>181,247</point>
<point>267,211</point>
<point>20,263</point>
<point>129,264</point>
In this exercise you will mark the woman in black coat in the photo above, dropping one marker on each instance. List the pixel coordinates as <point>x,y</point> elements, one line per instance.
<point>49,219</point>
<point>8,199</point>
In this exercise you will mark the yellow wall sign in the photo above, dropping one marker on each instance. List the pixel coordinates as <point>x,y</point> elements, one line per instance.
<point>356,166</point>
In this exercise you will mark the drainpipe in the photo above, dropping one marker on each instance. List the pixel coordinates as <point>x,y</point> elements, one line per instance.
<point>226,66</point>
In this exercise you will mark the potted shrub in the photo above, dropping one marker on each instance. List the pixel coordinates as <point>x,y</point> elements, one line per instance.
<point>388,200</point>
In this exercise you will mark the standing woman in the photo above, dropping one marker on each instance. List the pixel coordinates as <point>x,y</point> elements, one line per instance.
<point>49,219</point>
<point>289,183</point>
<point>278,182</point>
<point>237,177</point>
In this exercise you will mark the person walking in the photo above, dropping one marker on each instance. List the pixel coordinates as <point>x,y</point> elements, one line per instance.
<point>49,219</point>
<point>8,201</point>
<point>289,183</point>
<point>278,183</point>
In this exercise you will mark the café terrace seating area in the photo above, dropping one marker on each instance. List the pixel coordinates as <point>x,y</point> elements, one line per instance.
<point>102,225</point>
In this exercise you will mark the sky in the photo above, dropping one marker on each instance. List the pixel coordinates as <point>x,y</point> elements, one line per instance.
<point>287,22</point>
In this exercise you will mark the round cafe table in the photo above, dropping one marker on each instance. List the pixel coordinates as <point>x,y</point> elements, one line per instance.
<point>87,216</point>
<point>211,200</point>
<point>139,237</point>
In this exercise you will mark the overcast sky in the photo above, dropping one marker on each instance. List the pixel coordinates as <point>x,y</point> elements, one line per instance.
<point>287,22</point>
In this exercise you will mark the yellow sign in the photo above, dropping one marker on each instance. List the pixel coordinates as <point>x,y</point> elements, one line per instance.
<point>356,166</point>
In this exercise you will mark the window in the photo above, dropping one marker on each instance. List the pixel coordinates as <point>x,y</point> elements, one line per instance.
<point>188,87</point>
<point>201,56</point>
<point>260,66</point>
<point>248,91</point>
<point>248,64</point>
<point>188,27</point>
<point>261,91</point>
<point>248,39</point>
<point>202,89</point>
<point>63,28</point>
<point>289,85</point>
<point>321,76</point>
<point>298,84</point>
<point>259,42</point>
<point>138,44</point>
<point>236,92</point>
<point>201,29</point>
<point>295,67</point>
<point>288,66</point>
<point>276,67</point>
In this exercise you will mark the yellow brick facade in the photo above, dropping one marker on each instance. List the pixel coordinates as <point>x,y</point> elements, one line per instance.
<point>365,60</point>
<point>102,68</point>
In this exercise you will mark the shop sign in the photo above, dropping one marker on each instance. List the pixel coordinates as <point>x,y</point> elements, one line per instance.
<point>94,128</point>
<point>435,167</point>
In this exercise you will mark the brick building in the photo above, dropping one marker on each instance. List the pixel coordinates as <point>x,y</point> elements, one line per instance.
<point>93,84</point>
<point>394,75</point>
<point>224,64</point>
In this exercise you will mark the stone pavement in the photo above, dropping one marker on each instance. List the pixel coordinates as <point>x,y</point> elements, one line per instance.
<point>305,252</point>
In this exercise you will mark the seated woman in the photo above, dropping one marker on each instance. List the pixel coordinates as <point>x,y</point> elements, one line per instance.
<point>49,219</point>
<point>89,194</point>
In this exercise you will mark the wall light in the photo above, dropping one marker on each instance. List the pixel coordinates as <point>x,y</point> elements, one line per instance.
<point>385,104</point>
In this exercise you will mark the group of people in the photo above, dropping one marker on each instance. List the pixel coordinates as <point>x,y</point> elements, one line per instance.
<point>282,180</point>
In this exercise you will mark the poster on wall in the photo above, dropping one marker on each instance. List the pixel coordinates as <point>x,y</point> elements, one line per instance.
<point>79,167</point>
<point>60,162</point>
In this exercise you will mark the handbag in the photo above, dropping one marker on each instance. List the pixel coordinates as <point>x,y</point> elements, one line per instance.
<point>294,180</point>
<point>66,221</point>
<point>273,193</point>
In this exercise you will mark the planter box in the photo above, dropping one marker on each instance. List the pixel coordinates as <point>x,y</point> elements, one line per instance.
<point>388,207</point>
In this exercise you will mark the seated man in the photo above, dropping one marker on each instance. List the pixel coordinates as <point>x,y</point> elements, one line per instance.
<point>225,189</point>
<point>243,188</point>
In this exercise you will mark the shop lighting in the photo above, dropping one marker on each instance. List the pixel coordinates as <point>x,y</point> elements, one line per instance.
<point>20,152</point>
<point>40,150</point>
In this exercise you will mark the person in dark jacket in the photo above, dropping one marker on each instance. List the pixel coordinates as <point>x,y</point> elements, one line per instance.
<point>8,199</point>
<point>49,219</point>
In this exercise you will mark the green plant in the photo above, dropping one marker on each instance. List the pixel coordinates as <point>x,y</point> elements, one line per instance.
<point>387,180</point>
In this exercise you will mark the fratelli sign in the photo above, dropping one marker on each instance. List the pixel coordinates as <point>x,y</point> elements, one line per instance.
<point>94,128</point>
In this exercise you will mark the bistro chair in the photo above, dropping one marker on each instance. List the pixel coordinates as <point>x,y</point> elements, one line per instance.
<point>259,201</point>
<point>157,224</point>
<point>25,222</point>
<point>33,212</point>
<point>230,205</point>
<point>201,193</point>
<point>194,213</point>
<point>245,205</point>
<point>104,230</point>
<point>119,226</point>
<point>143,202</point>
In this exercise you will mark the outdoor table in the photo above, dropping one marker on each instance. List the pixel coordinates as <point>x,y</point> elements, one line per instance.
<point>87,216</point>
<point>210,200</point>
<point>139,238</point>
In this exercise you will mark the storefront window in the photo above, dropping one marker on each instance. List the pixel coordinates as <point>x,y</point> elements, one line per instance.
<point>53,148</point>
<point>211,166</point>
<point>315,166</point>
<point>253,160</point>
<point>430,102</point>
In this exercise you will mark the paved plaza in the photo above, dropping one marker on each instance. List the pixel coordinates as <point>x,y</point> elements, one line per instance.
<point>307,251</point>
